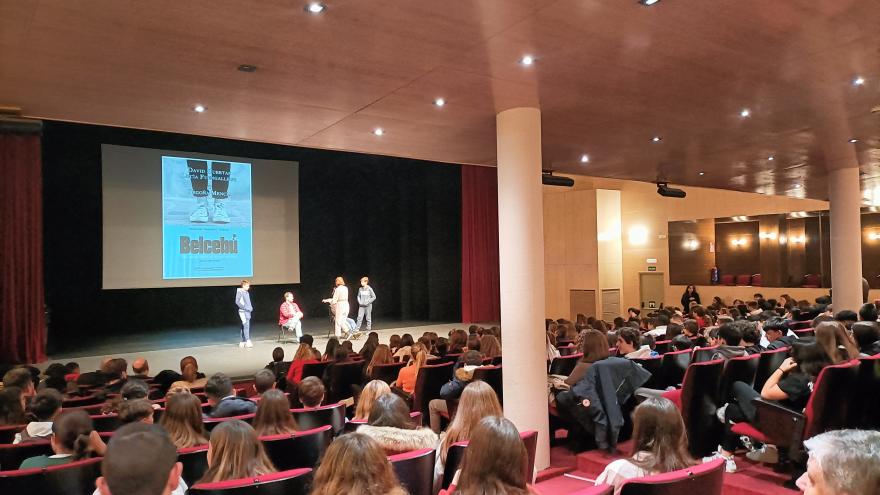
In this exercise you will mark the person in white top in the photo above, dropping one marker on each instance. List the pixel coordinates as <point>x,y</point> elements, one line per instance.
<point>660,445</point>
<point>339,305</point>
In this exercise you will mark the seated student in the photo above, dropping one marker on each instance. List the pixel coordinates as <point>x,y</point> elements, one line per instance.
<point>235,452</point>
<point>730,336</point>
<point>462,374</point>
<point>371,391</point>
<point>302,357</point>
<point>672,330</point>
<point>311,392</point>
<point>842,462</point>
<point>868,312</point>
<point>43,409</point>
<point>183,421</point>
<point>356,464</point>
<point>660,444</point>
<point>629,344</point>
<point>867,337</point>
<point>790,385</point>
<point>190,376</point>
<point>477,402</point>
<point>681,342</point>
<point>595,348</point>
<point>140,369</point>
<point>404,351</point>
<point>836,341</point>
<point>473,342</point>
<point>651,342</point>
<point>394,343</point>
<point>137,410</point>
<point>489,346</point>
<point>406,377</point>
<point>279,367</point>
<point>125,468</point>
<point>273,414</point>
<point>381,355</point>
<point>73,438</point>
<point>775,330</point>
<point>263,381</point>
<point>369,347</point>
<point>12,406</point>
<point>133,389</point>
<point>493,462</point>
<point>330,350</point>
<point>224,403</point>
<point>658,325</point>
<point>846,317</point>
<point>115,374</point>
<point>55,374</point>
<point>391,426</point>
<point>20,377</point>
<point>751,339</point>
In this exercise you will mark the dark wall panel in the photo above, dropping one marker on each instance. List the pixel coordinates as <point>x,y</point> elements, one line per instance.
<point>737,259</point>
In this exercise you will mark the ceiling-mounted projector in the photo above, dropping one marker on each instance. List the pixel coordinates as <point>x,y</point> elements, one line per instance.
<point>548,179</point>
<point>664,190</point>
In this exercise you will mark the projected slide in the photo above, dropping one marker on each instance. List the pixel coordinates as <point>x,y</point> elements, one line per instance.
<point>207,228</point>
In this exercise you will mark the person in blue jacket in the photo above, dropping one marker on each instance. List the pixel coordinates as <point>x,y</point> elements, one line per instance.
<point>366,296</point>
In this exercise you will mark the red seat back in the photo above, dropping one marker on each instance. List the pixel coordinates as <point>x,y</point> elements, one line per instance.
<point>767,364</point>
<point>492,375</point>
<point>292,482</point>
<point>75,478</point>
<point>703,354</point>
<point>833,392</point>
<point>7,432</point>
<point>739,369</point>
<point>428,383</point>
<point>415,470</point>
<point>743,279</point>
<point>315,369</point>
<point>304,449</point>
<point>333,415</point>
<point>211,423</point>
<point>343,377</point>
<point>728,280</point>
<point>12,455</point>
<point>757,280</point>
<point>702,479</point>
<point>673,366</point>
<point>563,365</point>
<point>653,366</point>
<point>698,391</point>
<point>865,409</point>
<point>386,372</point>
<point>195,463</point>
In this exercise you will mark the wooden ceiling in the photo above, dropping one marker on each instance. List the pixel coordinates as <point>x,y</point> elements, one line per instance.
<point>609,75</point>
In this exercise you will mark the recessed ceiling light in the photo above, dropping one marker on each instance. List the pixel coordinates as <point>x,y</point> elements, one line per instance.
<point>853,140</point>
<point>199,108</point>
<point>379,131</point>
<point>315,7</point>
<point>859,81</point>
<point>247,68</point>
<point>745,112</point>
<point>656,139</point>
<point>770,158</point>
<point>648,3</point>
<point>702,173</point>
<point>585,159</point>
<point>439,102</point>
<point>527,60</point>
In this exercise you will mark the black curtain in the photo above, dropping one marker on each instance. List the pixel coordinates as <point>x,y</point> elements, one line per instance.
<point>396,220</point>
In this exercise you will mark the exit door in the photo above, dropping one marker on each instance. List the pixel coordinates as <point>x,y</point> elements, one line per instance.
<point>651,290</point>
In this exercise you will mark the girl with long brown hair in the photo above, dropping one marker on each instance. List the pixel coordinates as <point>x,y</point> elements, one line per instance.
<point>189,374</point>
<point>371,391</point>
<point>660,444</point>
<point>303,356</point>
<point>235,452</point>
<point>355,463</point>
<point>273,414</point>
<point>406,378</point>
<point>834,338</point>
<point>494,462</point>
<point>382,355</point>
<point>183,420</point>
<point>595,348</point>
<point>489,346</point>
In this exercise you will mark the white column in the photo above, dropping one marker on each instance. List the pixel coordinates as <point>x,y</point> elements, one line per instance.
<point>521,257</point>
<point>846,238</point>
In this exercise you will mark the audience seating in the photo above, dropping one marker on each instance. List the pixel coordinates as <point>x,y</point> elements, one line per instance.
<point>455,454</point>
<point>292,482</point>
<point>740,369</point>
<point>342,377</point>
<point>805,332</point>
<point>315,369</point>
<point>827,409</point>
<point>652,365</point>
<point>812,281</point>
<point>7,432</point>
<point>386,372</point>
<point>800,325</point>
<point>767,364</point>
<point>431,378</point>
<point>211,423</point>
<point>673,366</point>
<point>595,490</point>
<point>12,455</point>
<point>702,479</point>
<point>698,391</point>
<point>756,280</point>
<point>195,463</point>
<point>567,350</point>
<point>333,415</point>
<point>493,376</point>
<point>728,280</point>
<point>865,409</point>
<point>105,422</point>
<point>662,346</point>
<point>82,401</point>
<point>75,478</point>
<point>415,470</point>
<point>303,449</point>
<point>703,354</point>
<point>353,424</point>
<point>563,365</point>
<point>451,358</point>
<point>743,279</point>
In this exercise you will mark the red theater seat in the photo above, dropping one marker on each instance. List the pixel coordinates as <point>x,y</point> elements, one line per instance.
<point>7,432</point>
<point>563,365</point>
<point>595,490</point>
<point>315,369</point>
<point>673,366</point>
<point>12,455</point>
<point>75,478</point>
<point>743,279</point>
<point>702,479</point>
<point>386,372</point>
<point>728,280</point>
<point>812,281</point>
<point>492,375</point>
<point>333,415</point>
<point>455,454</point>
<point>865,410</point>
<point>431,378</point>
<point>211,423</point>
<point>303,449</point>
<point>698,391</point>
<point>756,280</point>
<point>195,463</point>
<point>292,482</point>
<point>415,470</point>
<point>343,377</point>
<point>703,354</point>
<point>767,364</point>
<point>739,369</point>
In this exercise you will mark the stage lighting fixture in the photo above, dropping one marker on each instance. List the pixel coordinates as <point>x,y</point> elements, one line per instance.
<point>664,190</point>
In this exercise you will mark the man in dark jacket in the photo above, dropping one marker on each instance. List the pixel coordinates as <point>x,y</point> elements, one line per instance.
<point>462,374</point>
<point>222,399</point>
<point>775,330</point>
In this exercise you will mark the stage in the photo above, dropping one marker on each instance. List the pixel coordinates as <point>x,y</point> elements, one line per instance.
<point>216,348</point>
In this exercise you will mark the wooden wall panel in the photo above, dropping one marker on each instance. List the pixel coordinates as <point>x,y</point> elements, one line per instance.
<point>737,259</point>
<point>690,258</point>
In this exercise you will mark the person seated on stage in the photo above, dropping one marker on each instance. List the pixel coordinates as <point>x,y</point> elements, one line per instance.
<point>125,468</point>
<point>189,374</point>
<point>404,352</point>
<point>355,463</point>
<point>371,391</point>
<point>183,420</point>
<point>140,369</point>
<point>311,392</point>
<point>394,343</point>
<point>20,377</point>
<point>273,415</point>
<point>478,401</point>
<point>290,316</point>
<point>73,439</point>
<point>42,411</point>
<point>330,350</point>
<point>406,377</point>
<point>660,444</point>
<point>133,411</point>
<point>263,381</point>
<point>842,462</point>
<point>235,452</point>
<point>462,375</point>
<point>389,424</point>
<point>224,403</point>
<point>302,357</point>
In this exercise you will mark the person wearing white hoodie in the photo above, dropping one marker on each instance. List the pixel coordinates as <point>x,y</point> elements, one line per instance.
<point>42,411</point>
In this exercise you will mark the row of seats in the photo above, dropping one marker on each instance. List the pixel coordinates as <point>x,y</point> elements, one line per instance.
<point>810,280</point>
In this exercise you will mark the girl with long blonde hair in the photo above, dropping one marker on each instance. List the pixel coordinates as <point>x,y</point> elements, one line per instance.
<point>235,452</point>
<point>183,420</point>
<point>489,346</point>
<point>372,391</point>
<point>273,414</point>
<point>477,401</point>
<point>355,463</point>
<point>382,355</point>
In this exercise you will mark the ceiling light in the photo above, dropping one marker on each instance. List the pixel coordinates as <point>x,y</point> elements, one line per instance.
<point>770,158</point>
<point>859,81</point>
<point>315,7</point>
<point>585,159</point>
<point>797,186</point>
<point>247,68</point>
<point>656,139</point>
<point>648,3</point>
<point>853,141</point>
<point>527,60</point>
<point>439,102</point>
<point>702,173</point>
<point>745,112</point>
<point>198,108</point>
<point>379,131</point>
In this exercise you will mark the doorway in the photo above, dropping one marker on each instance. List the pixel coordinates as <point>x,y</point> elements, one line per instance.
<point>651,290</point>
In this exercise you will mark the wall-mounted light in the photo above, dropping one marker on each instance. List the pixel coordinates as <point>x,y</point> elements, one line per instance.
<point>767,235</point>
<point>736,242</point>
<point>691,245</point>
<point>740,218</point>
<point>638,235</point>
<point>783,239</point>
<point>798,239</point>
<point>874,236</point>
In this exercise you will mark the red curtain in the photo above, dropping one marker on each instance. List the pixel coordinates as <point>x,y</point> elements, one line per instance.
<point>22,322</point>
<point>480,286</point>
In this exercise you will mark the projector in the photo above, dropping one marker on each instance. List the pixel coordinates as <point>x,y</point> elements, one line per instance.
<point>548,179</point>
<point>664,190</point>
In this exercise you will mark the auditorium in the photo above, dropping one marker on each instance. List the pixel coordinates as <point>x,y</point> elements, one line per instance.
<point>483,247</point>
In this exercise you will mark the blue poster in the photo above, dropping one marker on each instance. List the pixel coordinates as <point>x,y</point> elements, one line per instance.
<point>207,229</point>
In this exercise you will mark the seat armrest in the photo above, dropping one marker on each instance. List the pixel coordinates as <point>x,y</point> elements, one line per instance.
<point>782,426</point>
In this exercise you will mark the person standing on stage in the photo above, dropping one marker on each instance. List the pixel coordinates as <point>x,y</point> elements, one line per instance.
<point>243,301</point>
<point>366,296</point>
<point>290,317</point>
<point>339,306</point>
